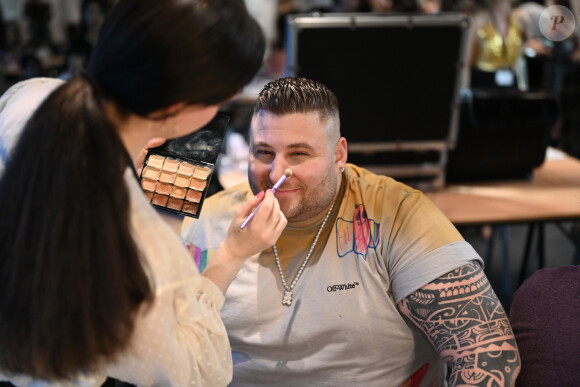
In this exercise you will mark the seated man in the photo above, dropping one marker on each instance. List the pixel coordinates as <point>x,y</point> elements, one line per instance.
<point>369,284</point>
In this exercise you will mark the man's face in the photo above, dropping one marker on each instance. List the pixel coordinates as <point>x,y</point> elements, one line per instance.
<point>302,143</point>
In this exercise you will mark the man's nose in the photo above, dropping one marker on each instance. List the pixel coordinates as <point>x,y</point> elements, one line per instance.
<point>277,170</point>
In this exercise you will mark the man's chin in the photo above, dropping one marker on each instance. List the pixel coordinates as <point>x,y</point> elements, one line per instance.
<point>288,209</point>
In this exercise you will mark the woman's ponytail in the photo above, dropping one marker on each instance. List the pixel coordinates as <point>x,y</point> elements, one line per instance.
<point>71,279</point>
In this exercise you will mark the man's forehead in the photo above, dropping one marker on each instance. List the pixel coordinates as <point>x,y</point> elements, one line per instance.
<point>264,117</point>
<point>308,125</point>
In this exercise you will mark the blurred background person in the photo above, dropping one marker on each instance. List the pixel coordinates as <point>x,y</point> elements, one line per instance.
<point>495,48</point>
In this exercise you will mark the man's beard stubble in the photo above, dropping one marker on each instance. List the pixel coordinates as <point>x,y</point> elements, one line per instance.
<point>315,200</point>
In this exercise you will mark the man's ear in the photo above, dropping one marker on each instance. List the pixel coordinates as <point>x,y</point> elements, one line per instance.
<point>340,154</point>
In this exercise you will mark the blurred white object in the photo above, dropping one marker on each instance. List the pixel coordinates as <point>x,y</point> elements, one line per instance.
<point>233,165</point>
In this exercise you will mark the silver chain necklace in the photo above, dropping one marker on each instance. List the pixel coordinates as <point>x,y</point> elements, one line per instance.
<point>287,298</point>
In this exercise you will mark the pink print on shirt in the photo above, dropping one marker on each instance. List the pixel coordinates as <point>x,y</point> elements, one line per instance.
<point>416,379</point>
<point>357,235</point>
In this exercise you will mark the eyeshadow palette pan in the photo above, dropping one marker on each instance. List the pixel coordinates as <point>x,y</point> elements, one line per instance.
<point>173,190</point>
<point>176,175</point>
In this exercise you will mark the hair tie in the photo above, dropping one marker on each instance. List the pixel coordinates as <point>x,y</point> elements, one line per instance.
<point>90,79</point>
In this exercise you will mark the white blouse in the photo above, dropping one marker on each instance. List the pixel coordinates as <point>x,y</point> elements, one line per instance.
<point>179,340</point>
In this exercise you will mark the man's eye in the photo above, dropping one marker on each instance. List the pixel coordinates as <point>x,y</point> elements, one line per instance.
<point>263,152</point>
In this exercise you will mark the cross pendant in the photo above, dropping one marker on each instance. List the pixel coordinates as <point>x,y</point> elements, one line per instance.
<point>287,298</point>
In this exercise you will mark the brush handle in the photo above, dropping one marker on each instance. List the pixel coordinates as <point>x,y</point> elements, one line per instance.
<point>274,189</point>
<point>250,217</point>
<point>279,183</point>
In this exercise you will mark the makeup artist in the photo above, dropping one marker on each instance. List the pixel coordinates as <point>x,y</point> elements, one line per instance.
<point>93,283</point>
<point>368,285</point>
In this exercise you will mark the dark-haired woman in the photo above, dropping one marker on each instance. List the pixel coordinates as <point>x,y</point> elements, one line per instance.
<point>93,282</point>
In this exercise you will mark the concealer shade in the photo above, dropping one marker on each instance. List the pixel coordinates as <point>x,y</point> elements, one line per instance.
<point>182,180</point>
<point>190,208</point>
<point>160,200</point>
<point>148,184</point>
<point>186,169</point>
<point>155,161</point>
<point>170,165</point>
<point>163,188</point>
<point>151,173</point>
<point>175,204</point>
<point>201,173</point>
<point>193,196</point>
<point>175,184</point>
<point>167,177</point>
<point>197,184</point>
<point>178,192</point>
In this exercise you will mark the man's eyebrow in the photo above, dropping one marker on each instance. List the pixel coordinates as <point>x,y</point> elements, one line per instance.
<point>262,144</point>
<point>301,145</point>
<point>298,145</point>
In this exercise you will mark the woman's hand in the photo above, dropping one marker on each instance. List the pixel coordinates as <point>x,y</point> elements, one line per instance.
<point>140,160</point>
<point>261,233</point>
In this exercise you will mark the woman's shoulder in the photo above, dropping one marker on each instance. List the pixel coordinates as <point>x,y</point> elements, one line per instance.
<point>36,88</point>
<point>480,18</point>
<point>16,106</point>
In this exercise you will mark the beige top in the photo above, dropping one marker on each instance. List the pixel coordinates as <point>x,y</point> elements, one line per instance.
<point>180,340</point>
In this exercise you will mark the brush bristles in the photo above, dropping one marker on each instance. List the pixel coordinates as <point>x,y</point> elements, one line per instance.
<point>288,173</point>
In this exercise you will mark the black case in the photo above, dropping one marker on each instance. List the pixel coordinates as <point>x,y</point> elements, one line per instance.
<point>503,134</point>
<point>397,78</point>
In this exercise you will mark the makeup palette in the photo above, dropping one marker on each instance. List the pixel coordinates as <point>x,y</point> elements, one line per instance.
<point>176,175</point>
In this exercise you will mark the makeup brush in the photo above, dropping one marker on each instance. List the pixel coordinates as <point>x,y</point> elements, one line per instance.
<point>287,174</point>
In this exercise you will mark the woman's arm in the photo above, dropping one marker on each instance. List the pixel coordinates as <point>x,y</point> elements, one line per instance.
<point>261,233</point>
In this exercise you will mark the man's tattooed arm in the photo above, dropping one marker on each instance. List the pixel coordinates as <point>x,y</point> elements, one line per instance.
<point>460,315</point>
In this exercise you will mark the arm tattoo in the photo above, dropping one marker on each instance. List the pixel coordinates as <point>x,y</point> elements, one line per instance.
<point>460,315</point>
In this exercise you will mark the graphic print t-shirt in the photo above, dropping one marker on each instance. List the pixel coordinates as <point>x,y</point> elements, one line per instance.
<point>385,241</point>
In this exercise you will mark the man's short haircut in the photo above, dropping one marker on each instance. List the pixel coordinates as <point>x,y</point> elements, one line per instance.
<point>297,95</point>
